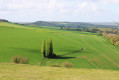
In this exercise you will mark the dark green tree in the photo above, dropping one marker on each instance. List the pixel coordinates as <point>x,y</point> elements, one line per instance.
<point>43,49</point>
<point>49,48</point>
<point>61,28</point>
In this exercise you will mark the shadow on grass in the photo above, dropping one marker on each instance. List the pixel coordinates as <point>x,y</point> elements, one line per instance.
<point>27,50</point>
<point>61,57</point>
<point>74,52</point>
<point>64,56</point>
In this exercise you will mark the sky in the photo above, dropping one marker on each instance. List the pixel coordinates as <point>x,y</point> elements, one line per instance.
<point>60,10</point>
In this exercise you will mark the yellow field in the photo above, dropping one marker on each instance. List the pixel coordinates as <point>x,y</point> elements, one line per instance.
<point>36,72</point>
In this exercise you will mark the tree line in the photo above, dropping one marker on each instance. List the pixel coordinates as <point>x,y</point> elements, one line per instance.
<point>112,34</point>
<point>93,30</point>
<point>113,38</point>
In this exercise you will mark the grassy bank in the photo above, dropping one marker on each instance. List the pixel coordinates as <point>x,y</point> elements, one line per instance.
<point>35,72</point>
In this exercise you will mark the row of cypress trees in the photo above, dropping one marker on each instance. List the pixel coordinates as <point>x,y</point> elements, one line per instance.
<point>47,48</point>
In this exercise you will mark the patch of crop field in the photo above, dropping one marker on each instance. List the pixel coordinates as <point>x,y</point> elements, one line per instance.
<point>36,72</point>
<point>25,41</point>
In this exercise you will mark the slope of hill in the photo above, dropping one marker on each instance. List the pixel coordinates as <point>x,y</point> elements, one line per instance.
<point>106,23</point>
<point>25,41</point>
<point>70,24</point>
<point>3,20</point>
<point>28,72</point>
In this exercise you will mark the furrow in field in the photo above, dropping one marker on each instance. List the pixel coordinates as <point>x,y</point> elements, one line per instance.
<point>102,61</point>
<point>111,49</point>
<point>110,60</point>
<point>90,60</point>
<point>107,46</point>
<point>103,55</point>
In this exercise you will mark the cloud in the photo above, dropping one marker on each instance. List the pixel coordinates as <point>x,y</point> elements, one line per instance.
<point>26,10</point>
<point>115,2</point>
<point>104,1</point>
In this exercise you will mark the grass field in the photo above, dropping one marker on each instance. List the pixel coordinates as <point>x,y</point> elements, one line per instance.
<point>35,72</point>
<point>26,41</point>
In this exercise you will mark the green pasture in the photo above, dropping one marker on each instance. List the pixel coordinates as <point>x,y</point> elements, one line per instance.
<point>26,41</point>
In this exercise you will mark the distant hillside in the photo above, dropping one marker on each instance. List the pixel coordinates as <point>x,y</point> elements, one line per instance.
<point>69,24</point>
<point>106,23</point>
<point>3,20</point>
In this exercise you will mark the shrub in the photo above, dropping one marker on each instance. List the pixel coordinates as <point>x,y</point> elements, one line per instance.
<point>24,61</point>
<point>117,43</point>
<point>67,65</point>
<point>43,61</point>
<point>83,49</point>
<point>19,60</point>
<point>56,65</point>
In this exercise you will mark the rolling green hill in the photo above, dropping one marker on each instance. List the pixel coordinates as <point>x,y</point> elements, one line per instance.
<point>25,41</point>
<point>28,72</point>
<point>70,24</point>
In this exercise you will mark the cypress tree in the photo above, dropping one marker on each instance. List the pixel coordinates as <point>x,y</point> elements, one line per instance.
<point>43,49</point>
<point>49,48</point>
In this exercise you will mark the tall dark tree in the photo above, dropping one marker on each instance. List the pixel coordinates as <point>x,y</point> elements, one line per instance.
<point>43,49</point>
<point>49,48</point>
